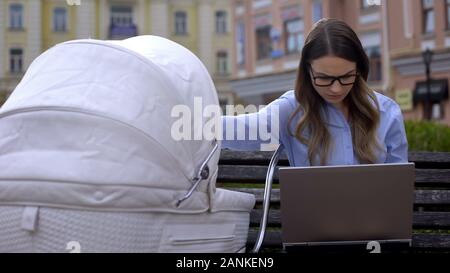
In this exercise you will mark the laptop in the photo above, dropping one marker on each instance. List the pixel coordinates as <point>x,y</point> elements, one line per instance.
<point>336,207</point>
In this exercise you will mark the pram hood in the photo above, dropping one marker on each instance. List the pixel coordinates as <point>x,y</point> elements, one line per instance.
<point>90,125</point>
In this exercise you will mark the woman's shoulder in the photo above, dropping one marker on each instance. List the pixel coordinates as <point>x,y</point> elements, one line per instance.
<point>288,95</point>
<point>387,105</point>
<point>287,105</point>
<point>288,100</point>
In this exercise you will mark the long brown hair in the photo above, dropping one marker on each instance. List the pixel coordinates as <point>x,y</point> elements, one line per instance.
<point>331,37</point>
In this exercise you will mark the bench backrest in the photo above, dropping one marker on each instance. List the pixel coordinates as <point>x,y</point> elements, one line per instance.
<point>246,171</point>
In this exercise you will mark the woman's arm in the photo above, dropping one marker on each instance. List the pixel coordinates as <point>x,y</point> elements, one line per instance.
<point>396,141</point>
<point>257,131</point>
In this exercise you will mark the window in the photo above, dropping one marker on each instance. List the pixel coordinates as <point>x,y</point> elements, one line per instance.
<point>374,63</point>
<point>364,4</point>
<point>15,60</point>
<point>263,42</point>
<point>222,63</point>
<point>121,16</point>
<point>221,22</point>
<point>293,30</point>
<point>317,13</point>
<point>259,4</point>
<point>428,16</point>
<point>16,16</point>
<point>59,19</point>
<point>448,14</point>
<point>240,43</point>
<point>367,4</point>
<point>180,23</point>
<point>122,24</point>
<point>437,111</point>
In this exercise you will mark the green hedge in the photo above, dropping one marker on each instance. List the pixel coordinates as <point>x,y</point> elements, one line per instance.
<point>427,136</point>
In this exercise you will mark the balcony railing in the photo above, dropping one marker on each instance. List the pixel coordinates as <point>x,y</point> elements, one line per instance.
<point>122,31</point>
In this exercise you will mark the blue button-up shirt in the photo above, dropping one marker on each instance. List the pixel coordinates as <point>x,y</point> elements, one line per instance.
<point>391,132</point>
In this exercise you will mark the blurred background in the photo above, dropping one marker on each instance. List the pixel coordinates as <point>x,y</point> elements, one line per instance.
<point>252,47</point>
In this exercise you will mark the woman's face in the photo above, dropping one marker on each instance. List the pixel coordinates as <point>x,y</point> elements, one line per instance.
<point>328,68</point>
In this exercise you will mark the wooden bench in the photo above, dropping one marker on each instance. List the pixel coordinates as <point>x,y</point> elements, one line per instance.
<point>246,172</point>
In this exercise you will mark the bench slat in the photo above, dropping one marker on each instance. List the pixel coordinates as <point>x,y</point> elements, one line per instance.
<point>432,171</point>
<point>432,220</point>
<point>422,197</point>
<point>438,159</point>
<point>257,174</point>
<point>433,158</point>
<point>243,173</point>
<point>428,241</point>
<point>426,177</point>
<point>249,158</point>
<point>432,197</point>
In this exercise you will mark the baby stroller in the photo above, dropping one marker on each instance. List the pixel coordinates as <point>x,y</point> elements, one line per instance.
<point>88,164</point>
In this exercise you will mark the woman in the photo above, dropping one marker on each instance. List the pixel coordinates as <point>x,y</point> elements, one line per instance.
<point>332,117</point>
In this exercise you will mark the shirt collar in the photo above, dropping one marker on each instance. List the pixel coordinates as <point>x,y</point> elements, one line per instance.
<point>334,117</point>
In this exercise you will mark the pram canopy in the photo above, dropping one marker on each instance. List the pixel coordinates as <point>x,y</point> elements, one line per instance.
<point>90,126</point>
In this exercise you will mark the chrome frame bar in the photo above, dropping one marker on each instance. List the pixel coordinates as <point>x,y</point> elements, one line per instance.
<point>202,174</point>
<point>266,201</point>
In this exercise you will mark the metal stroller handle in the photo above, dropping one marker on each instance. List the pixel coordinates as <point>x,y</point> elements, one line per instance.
<point>266,201</point>
<point>202,174</point>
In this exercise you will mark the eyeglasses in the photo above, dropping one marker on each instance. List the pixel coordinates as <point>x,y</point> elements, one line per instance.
<point>323,81</point>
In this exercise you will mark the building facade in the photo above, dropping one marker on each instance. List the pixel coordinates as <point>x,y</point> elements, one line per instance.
<point>415,26</point>
<point>269,37</point>
<point>29,27</point>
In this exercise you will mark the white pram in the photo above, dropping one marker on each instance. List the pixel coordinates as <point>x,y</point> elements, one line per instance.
<point>87,161</point>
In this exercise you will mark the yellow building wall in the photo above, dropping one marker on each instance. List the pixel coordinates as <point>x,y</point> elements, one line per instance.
<point>222,41</point>
<point>50,37</point>
<point>148,21</point>
<point>15,38</point>
<point>190,39</point>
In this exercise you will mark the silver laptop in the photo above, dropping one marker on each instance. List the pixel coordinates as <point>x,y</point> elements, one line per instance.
<point>347,205</point>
